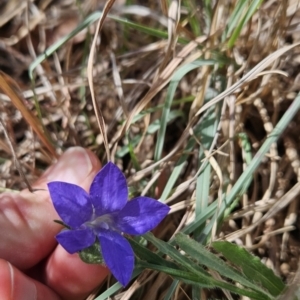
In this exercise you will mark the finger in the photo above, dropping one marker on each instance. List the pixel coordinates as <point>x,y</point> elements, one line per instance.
<point>26,219</point>
<point>77,165</point>
<point>71,278</point>
<point>15,285</point>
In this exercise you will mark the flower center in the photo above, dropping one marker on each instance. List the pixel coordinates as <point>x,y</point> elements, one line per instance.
<point>104,221</point>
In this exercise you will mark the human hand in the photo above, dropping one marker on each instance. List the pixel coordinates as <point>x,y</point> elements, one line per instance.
<point>28,242</point>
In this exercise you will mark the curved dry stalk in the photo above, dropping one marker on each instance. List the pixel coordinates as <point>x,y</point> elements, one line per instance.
<point>99,116</point>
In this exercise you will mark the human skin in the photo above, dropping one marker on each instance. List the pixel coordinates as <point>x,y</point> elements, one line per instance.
<point>32,265</point>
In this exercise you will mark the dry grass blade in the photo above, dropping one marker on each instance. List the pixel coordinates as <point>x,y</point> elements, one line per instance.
<point>17,162</point>
<point>192,129</point>
<point>163,79</point>
<point>118,83</point>
<point>100,119</point>
<point>293,290</point>
<point>10,88</point>
<point>280,204</point>
<point>248,77</point>
<point>164,6</point>
<point>273,150</point>
<point>12,8</point>
<point>173,19</point>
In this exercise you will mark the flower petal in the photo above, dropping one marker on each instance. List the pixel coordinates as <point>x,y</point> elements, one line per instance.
<point>76,240</point>
<point>109,190</point>
<point>140,215</point>
<point>71,202</point>
<point>118,255</point>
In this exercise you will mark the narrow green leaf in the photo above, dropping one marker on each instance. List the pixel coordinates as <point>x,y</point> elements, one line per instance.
<point>251,266</point>
<point>246,147</point>
<point>191,266</point>
<point>171,290</point>
<point>178,75</point>
<point>249,12</point>
<point>211,261</point>
<point>234,18</point>
<point>201,219</point>
<point>146,255</point>
<point>179,274</point>
<point>242,184</point>
<point>132,154</point>
<point>196,292</point>
<point>177,170</point>
<point>202,280</point>
<point>208,129</point>
<point>182,160</point>
<point>169,250</point>
<point>109,292</point>
<point>152,128</point>
<point>156,125</point>
<point>117,286</point>
<point>145,29</point>
<point>87,22</point>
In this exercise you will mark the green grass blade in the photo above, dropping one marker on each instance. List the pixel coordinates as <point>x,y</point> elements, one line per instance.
<point>109,292</point>
<point>152,128</point>
<point>211,261</point>
<point>234,18</point>
<point>251,266</point>
<point>178,75</point>
<point>146,255</point>
<point>169,250</point>
<point>88,21</point>
<point>171,290</point>
<point>177,170</point>
<point>148,30</point>
<point>208,129</point>
<point>190,266</point>
<point>246,147</point>
<point>202,192</point>
<point>50,50</point>
<point>242,183</point>
<point>181,163</point>
<point>201,219</point>
<point>203,281</point>
<point>249,12</point>
<point>117,286</point>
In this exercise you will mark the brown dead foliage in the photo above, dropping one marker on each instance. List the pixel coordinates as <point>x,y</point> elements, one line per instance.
<point>130,73</point>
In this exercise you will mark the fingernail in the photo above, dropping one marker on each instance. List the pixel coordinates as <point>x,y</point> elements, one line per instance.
<point>21,286</point>
<point>73,166</point>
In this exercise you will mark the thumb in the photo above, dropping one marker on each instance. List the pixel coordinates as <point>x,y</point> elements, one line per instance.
<point>70,277</point>
<point>76,165</point>
<point>26,219</point>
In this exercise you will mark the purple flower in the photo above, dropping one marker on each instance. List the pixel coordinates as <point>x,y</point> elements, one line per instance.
<point>105,214</point>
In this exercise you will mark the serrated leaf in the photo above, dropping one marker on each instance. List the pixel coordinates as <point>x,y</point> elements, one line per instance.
<point>146,255</point>
<point>192,267</point>
<point>199,279</point>
<point>92,254</point>
<point>174,254</point>
<point>251,266</point>
<point>211,261</point>
<point>185,276</point>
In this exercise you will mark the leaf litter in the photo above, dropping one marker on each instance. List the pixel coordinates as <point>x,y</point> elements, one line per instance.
<point>125,73</point>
